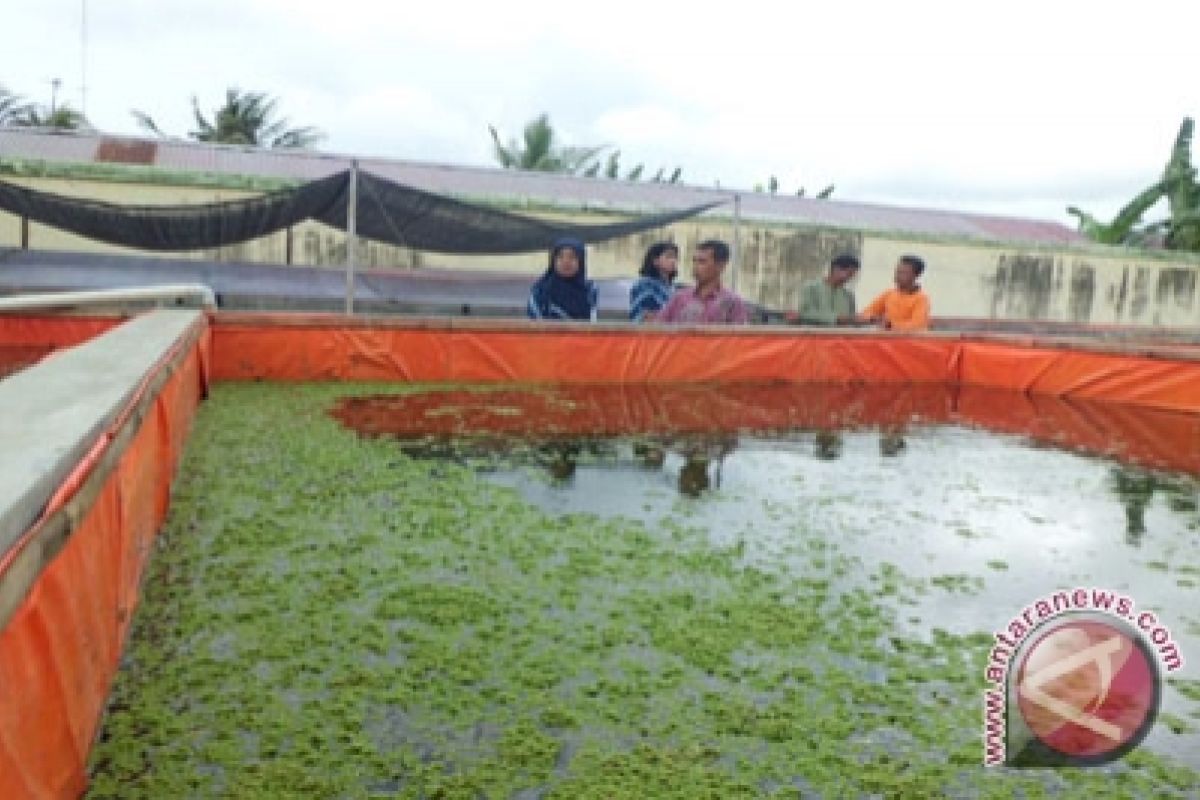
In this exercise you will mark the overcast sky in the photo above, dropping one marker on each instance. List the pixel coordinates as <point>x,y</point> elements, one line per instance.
<point>1013,107</point>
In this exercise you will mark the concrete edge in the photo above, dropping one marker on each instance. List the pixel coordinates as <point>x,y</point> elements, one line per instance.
<point>54,413</point>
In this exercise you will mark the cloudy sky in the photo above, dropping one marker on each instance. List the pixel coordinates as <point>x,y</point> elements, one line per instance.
<point>1018,107</point>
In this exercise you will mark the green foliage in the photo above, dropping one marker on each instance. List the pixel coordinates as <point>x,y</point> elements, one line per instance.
<point>1183,193</point>
<point>17,112</point>
<point>147,123</point>
<point>1181,229</point>
<point>772,186</point>
<point>14,109</point>
<point>539,151</point>
<point>63,118</point>
<point>612,169</point>
<point>248,118</point>
<point>1124,227</point>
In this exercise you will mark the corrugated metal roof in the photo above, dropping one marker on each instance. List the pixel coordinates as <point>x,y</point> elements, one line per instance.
<point>540,187</point>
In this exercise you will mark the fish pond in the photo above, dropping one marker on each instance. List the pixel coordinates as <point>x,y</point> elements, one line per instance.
<point>631,592</point>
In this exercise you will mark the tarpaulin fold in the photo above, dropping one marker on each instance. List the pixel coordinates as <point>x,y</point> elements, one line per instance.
<point>387,212</point>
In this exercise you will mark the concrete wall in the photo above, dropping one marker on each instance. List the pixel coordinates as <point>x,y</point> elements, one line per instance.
<point>965,278</point>
<point>1073,286</point>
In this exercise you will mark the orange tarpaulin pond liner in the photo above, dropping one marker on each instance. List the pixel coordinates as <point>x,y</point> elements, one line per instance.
<point>52,332</point>
<point>306,348</point>
<point>60,650</point>
<point>26,339</point>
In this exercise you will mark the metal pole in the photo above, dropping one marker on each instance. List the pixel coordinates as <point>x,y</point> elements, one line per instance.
<point>737,241</point>
<point>351,234</point>
<point>83,58</point>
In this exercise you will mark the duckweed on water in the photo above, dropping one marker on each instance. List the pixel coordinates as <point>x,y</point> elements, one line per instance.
<point>328,617</point>
<point>1175,724</point>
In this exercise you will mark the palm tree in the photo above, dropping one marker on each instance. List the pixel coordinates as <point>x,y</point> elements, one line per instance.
<point>248,118</point>
<point>245,118</point>
<point>538,150</point>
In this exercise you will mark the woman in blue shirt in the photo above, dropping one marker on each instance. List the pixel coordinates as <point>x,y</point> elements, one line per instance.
<point>651,291</point>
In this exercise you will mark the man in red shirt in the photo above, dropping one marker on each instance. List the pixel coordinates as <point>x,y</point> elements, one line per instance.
<point>707,303</point>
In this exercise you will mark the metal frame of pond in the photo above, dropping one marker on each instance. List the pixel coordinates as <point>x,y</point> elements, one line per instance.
<point>90,438</point>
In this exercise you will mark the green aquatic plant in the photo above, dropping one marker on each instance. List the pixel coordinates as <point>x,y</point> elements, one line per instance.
<point>327,616</point>
<point>1176,724</point>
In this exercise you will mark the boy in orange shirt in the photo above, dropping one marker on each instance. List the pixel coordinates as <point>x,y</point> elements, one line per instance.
<point>905,308</point>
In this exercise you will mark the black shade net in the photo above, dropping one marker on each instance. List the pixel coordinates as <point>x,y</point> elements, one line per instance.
<point>401,215</point>
<point>176,227</point>
<point>387,212</point>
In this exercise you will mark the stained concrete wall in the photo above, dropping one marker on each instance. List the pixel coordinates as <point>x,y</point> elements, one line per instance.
<point>966,278</point>
<point>1116,287</point>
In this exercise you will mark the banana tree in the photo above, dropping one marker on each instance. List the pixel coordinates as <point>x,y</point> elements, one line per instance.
<point>1181,229</point>
<point>1124,227</point>
<point>1183,193</point>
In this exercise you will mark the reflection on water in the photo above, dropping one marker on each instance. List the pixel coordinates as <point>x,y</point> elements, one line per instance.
<point>1137,488</point>
<point>828,445</point>
<point>939,485</point>
<point>891,444</point>
<point>1145,437</point>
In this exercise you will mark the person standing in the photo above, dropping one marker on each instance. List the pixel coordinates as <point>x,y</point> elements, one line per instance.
<point>828,301</point>
<point>564,292</point>
<point>656,282</point>
<point>905,308</point>
<point>707,303</point>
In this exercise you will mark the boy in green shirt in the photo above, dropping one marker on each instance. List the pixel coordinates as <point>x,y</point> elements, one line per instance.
<point>828,301</point>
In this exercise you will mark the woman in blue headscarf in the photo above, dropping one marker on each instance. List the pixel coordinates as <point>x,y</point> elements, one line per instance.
<point>564,292</point>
